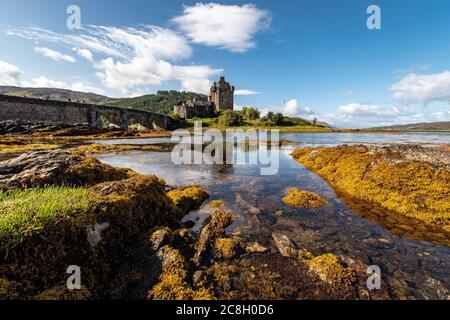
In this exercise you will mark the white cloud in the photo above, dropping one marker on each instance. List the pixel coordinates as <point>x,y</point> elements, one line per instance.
<point>9,74</point>
<point>230,27</point>
<point>85,53</point>
<point>358,115</point>
<point>291,108</point>
<point>245,92</point>
<point>415,88</point>
<point>54,55</point>
<point>44,82</point>
<point>133,59</point>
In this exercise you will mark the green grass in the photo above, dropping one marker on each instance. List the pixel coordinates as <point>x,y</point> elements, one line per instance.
<point>25,212</point>
<point>210,123</point>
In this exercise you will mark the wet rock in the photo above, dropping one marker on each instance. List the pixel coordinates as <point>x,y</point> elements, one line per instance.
<point>255,247</point>
<point>434,289</point>
<point>160,238</point>
<point>284,245</point>
<point>55,167</point>
<point>254,210</point>
<point>189,224</point>
<point>213,230</point>
<point>35,168</point>
<point>279,213</point>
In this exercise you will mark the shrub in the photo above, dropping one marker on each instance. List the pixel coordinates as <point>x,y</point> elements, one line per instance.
<point>231,118</point>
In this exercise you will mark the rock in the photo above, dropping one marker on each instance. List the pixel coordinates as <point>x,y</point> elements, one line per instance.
<point>254,210</point>
<point>313,154</point>
<point>331,271</point>
<point>188,198</point>
<point>226,248</point>
<point>279,213</point>
<point>159,238</point>
<point>213,230</point>
<point>55,167</point>
<point>189,224</point>
<point>303,199</point>
<point>255,247</point>
<point>284,245</point>
<point>198,276</point>
<point>35,168</point>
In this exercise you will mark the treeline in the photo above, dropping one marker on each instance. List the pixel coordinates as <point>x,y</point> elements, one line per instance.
<point>161,102</point>
<point>252,117</point>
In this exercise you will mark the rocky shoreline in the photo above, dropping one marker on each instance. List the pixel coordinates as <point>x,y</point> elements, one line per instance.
<point>130,243</point>
<point>406,188</point>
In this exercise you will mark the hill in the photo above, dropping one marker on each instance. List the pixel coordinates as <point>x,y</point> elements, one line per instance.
<point>53,94</point>
<point>161,102</point>
<point>425,126</point>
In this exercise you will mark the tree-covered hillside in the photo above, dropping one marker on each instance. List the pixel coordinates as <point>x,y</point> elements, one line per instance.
<point>161,102</point>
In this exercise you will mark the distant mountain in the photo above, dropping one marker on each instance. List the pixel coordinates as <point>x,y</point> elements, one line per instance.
<point>430,126</point>
<point>53,94</point>
<point>161,102</point>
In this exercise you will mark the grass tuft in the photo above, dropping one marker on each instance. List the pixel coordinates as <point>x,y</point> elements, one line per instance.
<point>25,212</point>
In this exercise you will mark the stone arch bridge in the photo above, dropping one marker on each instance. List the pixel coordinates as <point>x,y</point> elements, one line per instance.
<point>71,113</point>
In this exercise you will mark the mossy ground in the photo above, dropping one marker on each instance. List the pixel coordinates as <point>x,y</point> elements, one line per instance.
<point>418,191</point>
<point>303,199</point>
<point>25,212</point>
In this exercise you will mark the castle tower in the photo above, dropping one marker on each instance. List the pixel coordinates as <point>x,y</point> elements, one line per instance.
<point>221,95</point>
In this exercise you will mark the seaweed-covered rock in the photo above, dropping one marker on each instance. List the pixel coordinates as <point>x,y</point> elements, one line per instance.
<point>129,207</point>
<point>173,282</point>
<point>214,229</point>
<point>404,187</point>
<point>188,198</point>
<point>159,238</point>
<point>226,248</point>
<point>331,271</point>
<point>303,199</point>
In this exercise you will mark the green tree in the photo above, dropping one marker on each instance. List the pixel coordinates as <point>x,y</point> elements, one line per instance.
<point>230,118</point>
<point>250,113</point>
<point>278,119</point>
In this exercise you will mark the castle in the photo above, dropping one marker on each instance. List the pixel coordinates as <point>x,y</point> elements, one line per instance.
<point>221,97</point>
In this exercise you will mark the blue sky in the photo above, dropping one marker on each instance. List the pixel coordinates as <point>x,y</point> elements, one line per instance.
<point>305,58</point>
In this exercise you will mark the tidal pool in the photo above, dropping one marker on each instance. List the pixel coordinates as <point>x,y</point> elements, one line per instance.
<point>411,268</point>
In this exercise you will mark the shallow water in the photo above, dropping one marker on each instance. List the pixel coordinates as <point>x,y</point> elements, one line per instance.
<point>411,268</point>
